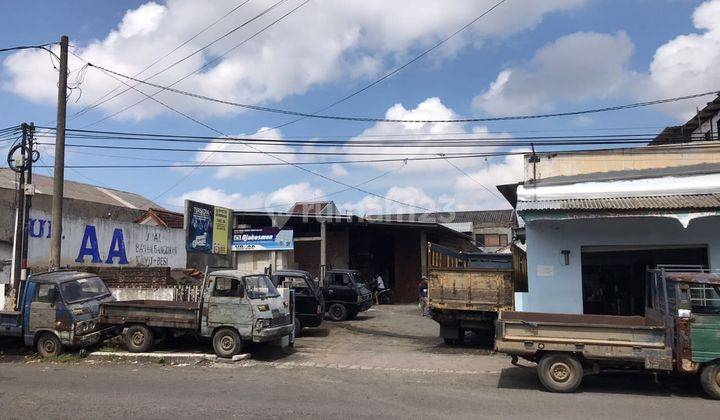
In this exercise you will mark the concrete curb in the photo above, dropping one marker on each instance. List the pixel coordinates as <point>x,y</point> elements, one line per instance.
<point>167,357</point>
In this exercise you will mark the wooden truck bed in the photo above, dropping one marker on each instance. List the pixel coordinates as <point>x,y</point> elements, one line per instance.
<point>596,337</point>
<point>153,313</point>
<point>467,289</point>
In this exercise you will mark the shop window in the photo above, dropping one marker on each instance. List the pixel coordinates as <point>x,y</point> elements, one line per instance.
<point>491,239</point>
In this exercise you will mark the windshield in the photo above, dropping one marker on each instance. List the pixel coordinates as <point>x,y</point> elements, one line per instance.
<point>83,289</point>
<point>260,286</point>
<point>360,282</point>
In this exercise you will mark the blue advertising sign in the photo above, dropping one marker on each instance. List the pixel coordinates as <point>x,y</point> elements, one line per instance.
<point>200,227</point>
<point>262,239</point>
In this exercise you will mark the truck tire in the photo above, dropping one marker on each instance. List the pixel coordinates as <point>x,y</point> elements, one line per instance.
<point>710,380</point>
<point>297,327</point>
<point>139,338</point>
<point>337,312</point>
<point>560,372</point>
<point>48,345</point>
<point>226,342</point>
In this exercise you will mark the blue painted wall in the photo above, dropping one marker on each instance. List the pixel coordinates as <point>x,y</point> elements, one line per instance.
<point>561,292</point>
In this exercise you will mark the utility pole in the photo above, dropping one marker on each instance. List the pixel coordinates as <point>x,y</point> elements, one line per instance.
<point>20,163</point>
<point>29,191</point>
<point>59,175</point>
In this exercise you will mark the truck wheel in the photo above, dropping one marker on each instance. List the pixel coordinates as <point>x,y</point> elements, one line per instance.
<point>560,372</point>
<point>227,342</point>
<point>139,338</point>
<point>337,312</point>
<point>48,345</point>
<point>710,380</point>
<point>297,327</point>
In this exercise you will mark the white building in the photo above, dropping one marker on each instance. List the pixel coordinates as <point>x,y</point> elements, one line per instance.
<point>594,222</point>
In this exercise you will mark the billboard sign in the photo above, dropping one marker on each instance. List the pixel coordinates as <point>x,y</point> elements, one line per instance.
<point>221,223</point>
<point>262,239</point>
<point>199,227</point>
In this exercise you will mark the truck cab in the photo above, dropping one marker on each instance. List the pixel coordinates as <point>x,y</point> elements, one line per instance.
<point>58,309</point>
<point>345,294</point>
<point>241,307</point>
<point>309,301</point>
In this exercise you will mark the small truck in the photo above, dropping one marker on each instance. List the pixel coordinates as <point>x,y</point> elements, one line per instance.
<point>345,294</point>
<point>679,334</point>
<point>59,309</point>
<point>468,299</point>
<point>235,308</point>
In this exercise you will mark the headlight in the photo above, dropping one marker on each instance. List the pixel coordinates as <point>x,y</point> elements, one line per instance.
<point>263,308</point>
<point>262,323</point>
<point>80,311</point>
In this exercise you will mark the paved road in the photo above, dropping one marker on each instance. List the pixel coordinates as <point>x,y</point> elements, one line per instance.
<point>34,390</point>
<point>389,363</point>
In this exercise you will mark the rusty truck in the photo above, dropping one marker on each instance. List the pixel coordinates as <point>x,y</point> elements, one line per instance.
<point>57,310</point>
<point>679,333</point>
<point>234,309</point>
<point>466,291</point>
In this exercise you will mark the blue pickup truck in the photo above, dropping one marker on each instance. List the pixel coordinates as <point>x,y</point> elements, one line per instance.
<point>59,309</point>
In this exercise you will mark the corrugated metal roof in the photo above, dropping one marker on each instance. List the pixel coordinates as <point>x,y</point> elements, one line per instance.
<point>79,191</point>
<point>689,202</point>
<point>488,218</point>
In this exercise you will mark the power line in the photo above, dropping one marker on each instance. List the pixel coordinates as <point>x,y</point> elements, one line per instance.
<point>98,102</point>
<point>393,120</point>
<point>320,175</point>
<point>27,47</point>
<point>248,39</point>
<point>367,181</point>
<point>473,179</point>
<point>399,68</point>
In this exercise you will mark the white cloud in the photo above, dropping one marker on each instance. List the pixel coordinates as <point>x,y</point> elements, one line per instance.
<point>688,64</point>
<point>323,42</point>
<point>279,200</point>
<point>231,152</point>
<point>338,170</point>
<point>576,67</point>
<point>397,133</point>
<point>416,197</point>
<point>587,66</point>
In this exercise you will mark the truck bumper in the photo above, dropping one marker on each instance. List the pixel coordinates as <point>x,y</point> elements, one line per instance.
<point>94,337</point>
<point>270,334</point>
<point>364,305</point>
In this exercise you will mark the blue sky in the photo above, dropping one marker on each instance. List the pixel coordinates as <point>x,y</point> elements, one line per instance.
<point>556,55</point>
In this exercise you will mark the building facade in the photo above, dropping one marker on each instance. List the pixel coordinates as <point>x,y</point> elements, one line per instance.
<point>591,233</point>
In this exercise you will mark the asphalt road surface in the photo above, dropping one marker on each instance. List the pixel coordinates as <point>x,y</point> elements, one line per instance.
<point>110,390</point>
<point>389,363</point>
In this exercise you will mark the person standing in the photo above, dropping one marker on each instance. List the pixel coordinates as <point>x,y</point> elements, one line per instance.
<point>423,295</point>
<point>379,287</point>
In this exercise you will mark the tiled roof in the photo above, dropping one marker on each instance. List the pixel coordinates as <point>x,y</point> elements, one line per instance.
<point>319,207</point>
<point>663,202</point>
<point>79,191</point>
<point>164,218</point>
<point>488,218</point>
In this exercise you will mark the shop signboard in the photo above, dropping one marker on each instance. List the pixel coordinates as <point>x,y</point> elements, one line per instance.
<point>262,239</point>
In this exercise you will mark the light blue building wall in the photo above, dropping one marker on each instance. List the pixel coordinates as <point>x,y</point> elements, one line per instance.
<point>556,287</point>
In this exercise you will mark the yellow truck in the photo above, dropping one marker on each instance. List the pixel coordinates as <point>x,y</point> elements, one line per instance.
<point>467,291</point>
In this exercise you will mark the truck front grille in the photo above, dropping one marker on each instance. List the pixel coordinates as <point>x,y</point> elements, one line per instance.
<point>280,321</point>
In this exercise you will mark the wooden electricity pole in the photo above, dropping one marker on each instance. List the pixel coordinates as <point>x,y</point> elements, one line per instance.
<point>59,175</point>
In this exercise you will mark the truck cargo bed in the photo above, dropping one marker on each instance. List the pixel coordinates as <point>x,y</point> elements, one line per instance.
<point>153,313</point>
<point>595,336</point>
<point>10,324</point>
<point>468,289</point>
